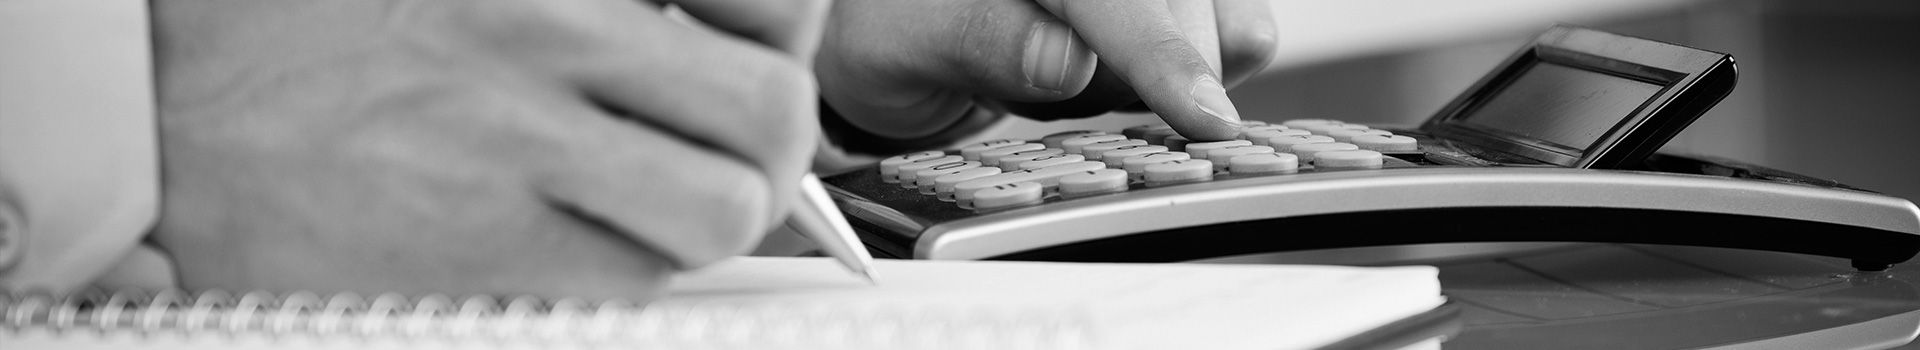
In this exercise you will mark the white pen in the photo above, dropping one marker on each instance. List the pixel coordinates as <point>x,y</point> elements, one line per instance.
<point>816,217</point>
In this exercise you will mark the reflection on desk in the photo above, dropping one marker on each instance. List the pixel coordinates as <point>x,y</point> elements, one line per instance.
<point>1620,296</point>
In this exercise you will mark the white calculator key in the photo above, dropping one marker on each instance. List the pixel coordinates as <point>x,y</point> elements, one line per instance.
<point>1053,140</point>
<point>1247,131</point>
<point>1176,143</point>
<point>1140,131</point>
<point>1301,123</point>
<point>1179,171</point>
<point>943,185</point>
<point>1347,135</point>
<point>1136,165</point>
<point>1074,144</point>
<point>1008,195</point>
<point>890,167</point>
<point>1012,162</point>
<point>1307,152</point>
<point>908,171</point>
<point>1323,129</point>
<point>1220,157</point>
<point>1386,143</point>
<point>1286,143</point>
<point>1261,138</point>
<point>972,151</point>
<point>1199,149</point>
<point>992,157</point>
<point>1052,160</point>
<point>1093,182</point>
<point>1348,159</point>
<point>1263,163</point>
<point>1114,157</point>
<point>1098,150</point>
<point>1159,136</point>
<point>1048,176</point>
<point>924,179</point>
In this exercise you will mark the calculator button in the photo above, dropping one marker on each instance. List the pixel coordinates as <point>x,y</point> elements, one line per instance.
<point>1048,161</point>
<point>1008,195</point>
<point>1114,157</point>
<point>1073,145</point>
<point>924,179</point>
<point>1053,141</point>
<point>1159,136</point>
<point>1323,129</point>
<point>943,185</point>
<point>1093,182</point>
<point>1247,131</point>
<point>1098,150</point>
<point>1386,143</point>
<point>1307,152</point>
<point>1252,123</point>
<point>992,157</point>
<point>1137,165</point>
<point>1263,163</point>
<point>1179,171</point>
<point>1348,159</point>
<point>1176,143</point>
<point>1286,143</point>
<point>1259,138</point>
<point>909,170</point>
<point>1048,176</point>
<point>1012,161</point>
<point>1347,135</point>
<point>1199,149</point>
<point>1140,131</point>
<point>890,167</point>
<point>1220,157</point>
<point>1301,123</point>
<point>972,151</point>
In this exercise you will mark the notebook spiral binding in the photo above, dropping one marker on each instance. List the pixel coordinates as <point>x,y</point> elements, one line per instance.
<point>522,320</point>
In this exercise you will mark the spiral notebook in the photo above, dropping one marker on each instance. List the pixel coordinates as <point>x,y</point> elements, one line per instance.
<point>781,303</point>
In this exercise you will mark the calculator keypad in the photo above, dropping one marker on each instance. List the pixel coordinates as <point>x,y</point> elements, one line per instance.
<point>1001,174</point>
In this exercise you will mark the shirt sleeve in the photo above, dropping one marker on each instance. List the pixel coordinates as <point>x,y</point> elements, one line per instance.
<point>79,174</point>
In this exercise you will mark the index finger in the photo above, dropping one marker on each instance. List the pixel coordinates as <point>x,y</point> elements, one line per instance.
<point>793,26</point>
<point>1146,47</point>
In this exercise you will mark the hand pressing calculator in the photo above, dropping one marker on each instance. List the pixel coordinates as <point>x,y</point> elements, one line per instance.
<point>1557,144</point>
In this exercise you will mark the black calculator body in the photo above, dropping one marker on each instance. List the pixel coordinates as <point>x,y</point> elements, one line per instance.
<point>1557,144</point>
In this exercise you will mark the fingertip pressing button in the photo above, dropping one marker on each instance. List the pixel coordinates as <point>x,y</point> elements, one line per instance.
<point>1093,182</point>
<point>909,171</point>
<point>992,157</point>
<point>1263,163</point>
<point>972,151</point>
<point>1047,161</point>
<point>1199,149</point>
<point>1179,171</point>
<point>1053,140</point>
<point>1286,143</point>
<point>890,167</point>
<point>1308,152</point>
<point>1007,195</point>
<point>1386,143</point>
<point>1348,134</point>
<point>1098,150</point>
<point>1348,159</point>
<point>943,185</point>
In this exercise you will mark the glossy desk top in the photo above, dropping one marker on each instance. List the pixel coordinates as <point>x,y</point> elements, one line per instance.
<point>1619,296</point>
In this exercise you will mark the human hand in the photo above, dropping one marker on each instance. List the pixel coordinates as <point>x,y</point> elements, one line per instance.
<point>906,69</point>
<point>580,148</point>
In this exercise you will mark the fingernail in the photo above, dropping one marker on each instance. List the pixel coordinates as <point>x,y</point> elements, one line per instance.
<point>1050,49</point>
<point>1212,99</point>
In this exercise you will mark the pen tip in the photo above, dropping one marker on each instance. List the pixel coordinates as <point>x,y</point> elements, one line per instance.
<point>871,278</point>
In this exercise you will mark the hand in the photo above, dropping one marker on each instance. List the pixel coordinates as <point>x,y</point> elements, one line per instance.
<point>579,148</point>
<point>907,68</point>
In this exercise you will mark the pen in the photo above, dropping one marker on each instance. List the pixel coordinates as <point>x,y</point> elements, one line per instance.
<point>816,217</point>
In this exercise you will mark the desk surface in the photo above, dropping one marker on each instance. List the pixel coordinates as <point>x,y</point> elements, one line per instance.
<point>1618,296</point>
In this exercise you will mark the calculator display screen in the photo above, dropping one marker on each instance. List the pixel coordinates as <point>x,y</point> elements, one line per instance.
<point>1563,105</point>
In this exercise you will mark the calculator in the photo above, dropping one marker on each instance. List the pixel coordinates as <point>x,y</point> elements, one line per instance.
<point>1556,144</point>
